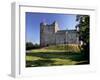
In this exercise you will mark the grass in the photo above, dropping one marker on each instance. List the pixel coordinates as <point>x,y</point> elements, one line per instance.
<point>50,56</point>
<point>68,47</point>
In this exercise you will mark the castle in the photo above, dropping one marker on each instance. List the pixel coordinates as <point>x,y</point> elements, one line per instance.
<point>52,35</point>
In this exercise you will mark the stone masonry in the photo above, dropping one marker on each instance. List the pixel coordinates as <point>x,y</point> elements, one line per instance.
<point>52,35</point>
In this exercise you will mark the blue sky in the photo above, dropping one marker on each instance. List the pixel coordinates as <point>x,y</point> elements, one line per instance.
<point>33,20</point>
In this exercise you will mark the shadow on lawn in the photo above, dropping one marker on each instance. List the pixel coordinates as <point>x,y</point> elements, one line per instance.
<point>47,56</point>
<point>36,63</point>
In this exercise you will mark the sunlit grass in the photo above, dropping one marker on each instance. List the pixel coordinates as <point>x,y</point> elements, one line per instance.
<point>67,47</point>
<point>47,50</point>
<point>63,61</point>
<point>32,58</point>
<point>55,55</point>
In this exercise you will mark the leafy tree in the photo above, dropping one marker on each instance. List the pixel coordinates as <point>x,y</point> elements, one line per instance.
<point>29,45</point>
<point>36,46</point>
<point>83,31</point>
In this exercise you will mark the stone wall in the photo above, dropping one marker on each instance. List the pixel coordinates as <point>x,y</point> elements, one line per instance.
<point>51,35</point>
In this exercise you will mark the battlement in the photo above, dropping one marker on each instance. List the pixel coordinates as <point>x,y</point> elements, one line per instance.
<point>45,24</point>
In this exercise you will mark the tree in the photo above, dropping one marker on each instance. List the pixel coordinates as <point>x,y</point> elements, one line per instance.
<point>83,31</point>
<point>29,45</point>
<point>36,46</point>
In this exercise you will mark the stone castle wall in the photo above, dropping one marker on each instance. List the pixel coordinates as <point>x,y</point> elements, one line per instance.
<point>52,35</point>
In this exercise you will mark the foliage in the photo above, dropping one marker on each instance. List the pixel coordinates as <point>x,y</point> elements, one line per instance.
<point>83,31</point>
<point>30,45</point>
<point>36,46</point>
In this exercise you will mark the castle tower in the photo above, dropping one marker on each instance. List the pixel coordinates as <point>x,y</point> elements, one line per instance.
<point>47,33</point>
<point>55,25</point>
<point>42,26</point>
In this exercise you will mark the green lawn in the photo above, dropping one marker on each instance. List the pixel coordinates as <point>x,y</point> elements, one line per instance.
<point>51,56</point>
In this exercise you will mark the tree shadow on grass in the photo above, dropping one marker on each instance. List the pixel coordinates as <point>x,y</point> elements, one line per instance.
<point>81,59</point>
<point>36,63</point>
<point>48,56</point>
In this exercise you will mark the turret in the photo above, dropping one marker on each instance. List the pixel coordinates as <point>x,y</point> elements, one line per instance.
<point>55,23</point>
<point>43,24</point>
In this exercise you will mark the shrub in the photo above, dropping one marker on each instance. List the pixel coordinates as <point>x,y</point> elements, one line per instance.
<point>30,45</point>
